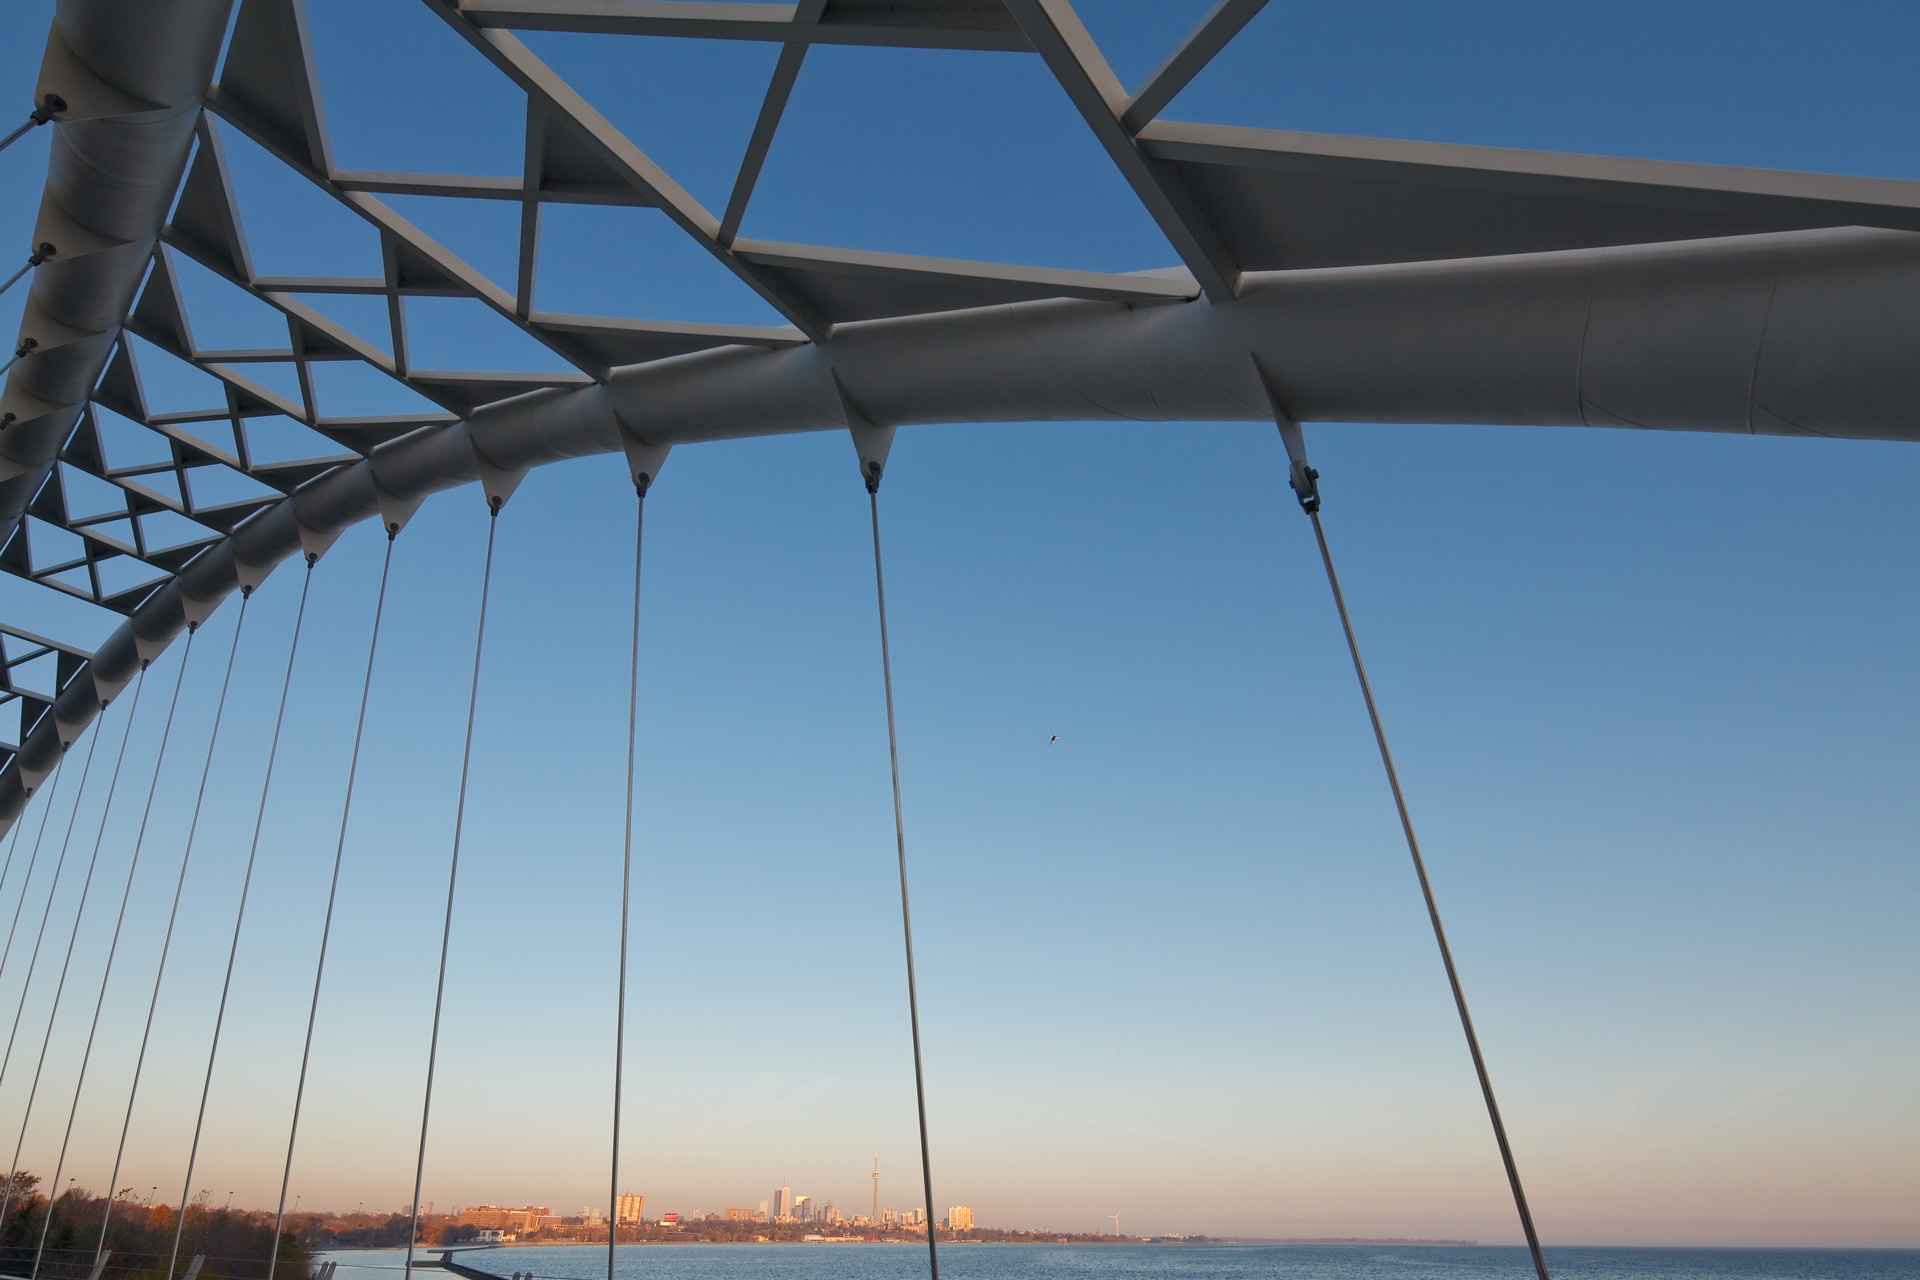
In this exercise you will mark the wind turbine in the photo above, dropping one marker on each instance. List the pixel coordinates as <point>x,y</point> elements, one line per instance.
<point>1116,1224</point>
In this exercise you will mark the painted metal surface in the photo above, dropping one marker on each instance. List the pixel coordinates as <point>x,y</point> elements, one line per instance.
<point>1370,279</point>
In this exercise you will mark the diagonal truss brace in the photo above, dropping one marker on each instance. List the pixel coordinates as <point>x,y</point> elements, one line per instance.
<point>1076,62</point>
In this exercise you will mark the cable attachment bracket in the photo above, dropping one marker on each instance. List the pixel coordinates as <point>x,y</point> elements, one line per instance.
<point>644,459</point>
<point>1301,478</point>
<point>872,439</point>
<point>50,106</point>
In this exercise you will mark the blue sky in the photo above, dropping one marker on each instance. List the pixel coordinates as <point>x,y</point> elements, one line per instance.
<point>1652,697</point>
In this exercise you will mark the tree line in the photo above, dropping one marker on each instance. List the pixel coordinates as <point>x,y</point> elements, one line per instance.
<point>65,1234</point>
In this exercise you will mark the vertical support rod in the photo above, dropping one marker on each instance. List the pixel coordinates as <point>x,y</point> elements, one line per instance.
<point>33,860</point>
<point>1433,910</point>
<point>106,974</point>
<point>240,914</point>
<point>453,876</point>
<point>900,846</point>
<point>139,842</point>
<point>326,926</point>
<point>13,844</point>
<point>66,966</point>
<point>626,878</point>
<point>33,959</point>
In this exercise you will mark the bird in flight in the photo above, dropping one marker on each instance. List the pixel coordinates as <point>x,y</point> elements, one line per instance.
<point>1055,738</point>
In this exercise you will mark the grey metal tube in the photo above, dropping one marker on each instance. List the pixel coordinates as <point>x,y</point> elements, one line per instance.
<point>131,78</point>
<point>1812,332</point>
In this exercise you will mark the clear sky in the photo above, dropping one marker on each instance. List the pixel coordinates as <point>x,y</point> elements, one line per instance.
<point>1653,698</point>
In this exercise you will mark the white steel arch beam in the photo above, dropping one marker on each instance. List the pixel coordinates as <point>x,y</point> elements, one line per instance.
<point>129,79</point>
<point>1797,333</point>
<point>1596,303</point>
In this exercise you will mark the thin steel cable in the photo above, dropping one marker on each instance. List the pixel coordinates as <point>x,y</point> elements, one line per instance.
<point>33,958</point>
<point>1433,909</point>
<point>240,912</point>
<point>900,845</point>
<point>53,890</point>
<point>453,875</point>
<point>626,880</point>
<point>66,965</point>
<point>113,947</point>
<point>13,844</point>
<point>33,260</point>
<point>27,346</point>
<point>33,859</point>
<point>173,912</point>
<point>333,889</point>
<point>139,842</point>
<point>36,118</point>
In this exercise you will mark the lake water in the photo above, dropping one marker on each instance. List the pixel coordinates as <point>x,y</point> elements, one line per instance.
<point>1151,1262</point>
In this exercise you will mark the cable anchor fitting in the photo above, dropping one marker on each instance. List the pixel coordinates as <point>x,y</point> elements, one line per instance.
<point>1305,483</point>
<point>1301,478</point>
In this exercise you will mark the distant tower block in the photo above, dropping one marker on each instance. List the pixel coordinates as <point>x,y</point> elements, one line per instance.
<point>876,1186</point>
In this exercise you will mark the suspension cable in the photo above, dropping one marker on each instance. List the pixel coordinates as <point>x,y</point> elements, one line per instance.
<point>641,485</point>
<point>333,889</point>
<point>13,843</point>
<point>173,912</point>
<point>53,891</point>
<point>900,845</point>
<point>453,875</point>
<point>25,348</point>
<point>1305,482</point>
<point>26,881</point>
<point>240,915</point>
<point>49,105</point>
<point>66,965</point>
<point>139,842</point>
<point>80,1081</point>
<point>34,259</point>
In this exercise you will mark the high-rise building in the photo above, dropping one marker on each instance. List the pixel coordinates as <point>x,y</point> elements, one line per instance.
<point>762,1215</point>
<point>627,1208</point>
<point>737,1214</point>
<point>802,1208</point>
<point>959,1218</point>
<point>783,1203</point>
